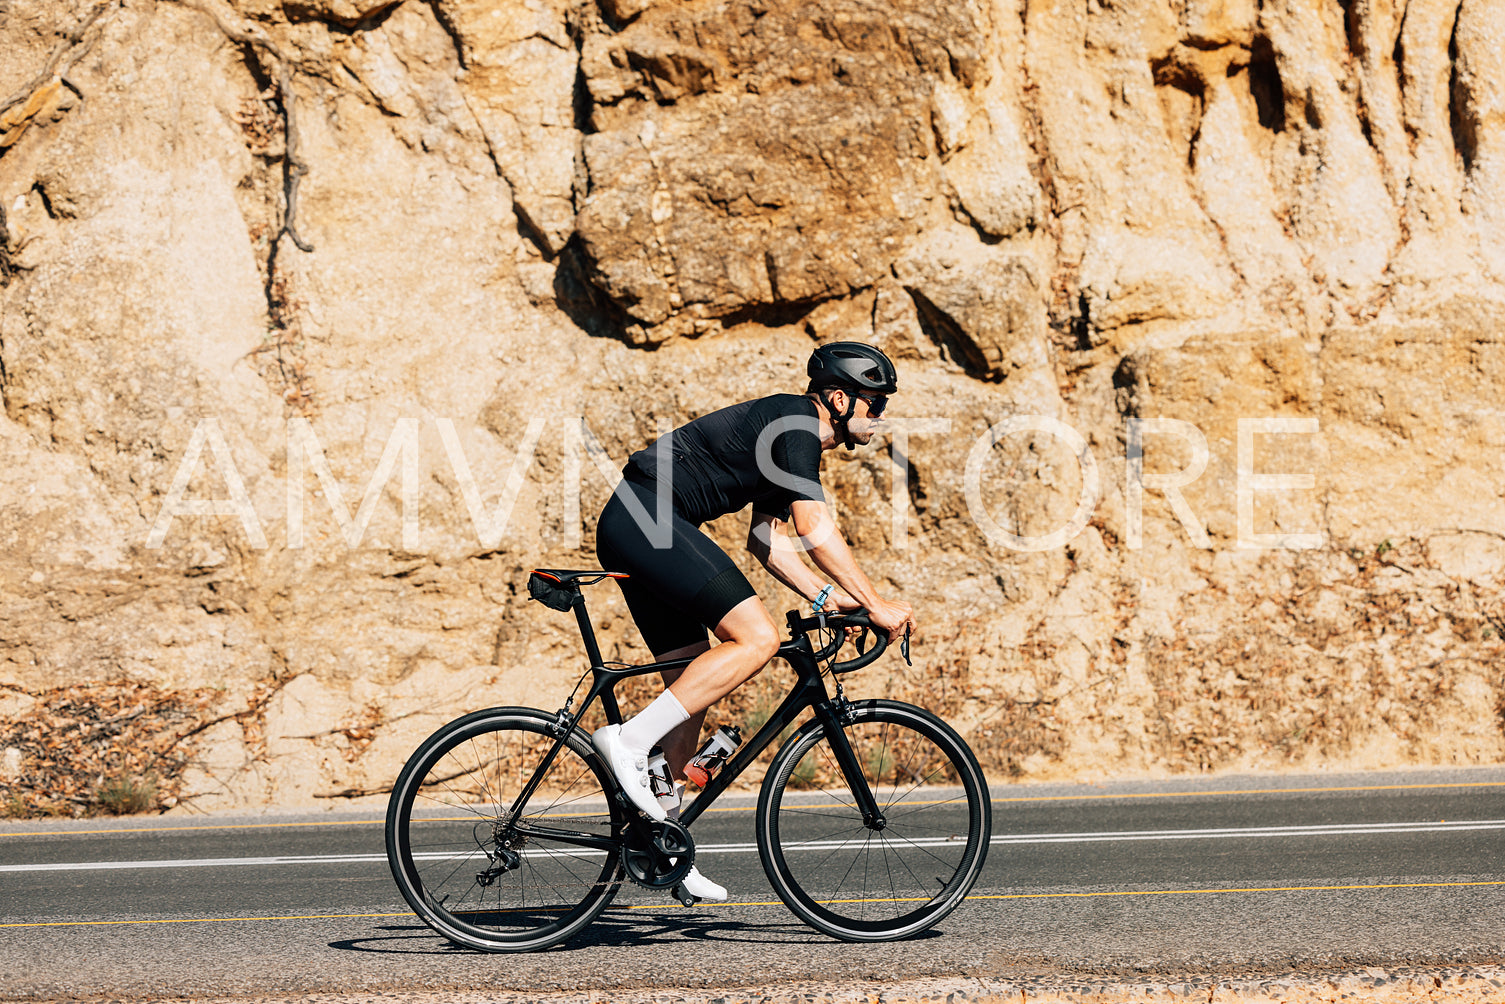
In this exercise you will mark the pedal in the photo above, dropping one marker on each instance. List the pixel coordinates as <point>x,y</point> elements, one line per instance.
<point>683,895</point>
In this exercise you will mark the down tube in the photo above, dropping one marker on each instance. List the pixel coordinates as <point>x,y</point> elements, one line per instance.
<point>809,691</point>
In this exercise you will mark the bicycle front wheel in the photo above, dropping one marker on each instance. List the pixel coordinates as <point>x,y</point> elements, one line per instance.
<point>487,877</point>
<point>861,880</point>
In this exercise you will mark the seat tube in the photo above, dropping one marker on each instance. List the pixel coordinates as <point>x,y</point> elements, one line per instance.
<point>588,633</point>
<point>593,653</point>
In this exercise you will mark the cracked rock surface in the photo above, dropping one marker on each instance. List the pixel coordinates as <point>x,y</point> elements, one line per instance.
<point>347,276</point>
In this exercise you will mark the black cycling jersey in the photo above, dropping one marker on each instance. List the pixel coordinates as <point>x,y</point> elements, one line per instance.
<point>714,467</point>
<point>765,452</point>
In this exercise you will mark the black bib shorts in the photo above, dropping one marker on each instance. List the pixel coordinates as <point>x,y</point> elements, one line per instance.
<point>676,593</point>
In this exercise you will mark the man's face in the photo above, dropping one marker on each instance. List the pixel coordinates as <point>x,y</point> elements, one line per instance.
<point>866,415</point>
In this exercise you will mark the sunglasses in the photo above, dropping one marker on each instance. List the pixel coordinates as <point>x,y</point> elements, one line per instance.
<point>875,404</point>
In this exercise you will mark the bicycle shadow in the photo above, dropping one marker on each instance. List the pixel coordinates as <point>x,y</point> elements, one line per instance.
<point>617,927</point>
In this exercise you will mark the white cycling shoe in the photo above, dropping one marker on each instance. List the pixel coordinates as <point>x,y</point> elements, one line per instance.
<point>700,887</point>
<point>630,770</point>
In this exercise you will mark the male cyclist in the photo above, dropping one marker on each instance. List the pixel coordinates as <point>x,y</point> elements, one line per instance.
<point>765,453</point>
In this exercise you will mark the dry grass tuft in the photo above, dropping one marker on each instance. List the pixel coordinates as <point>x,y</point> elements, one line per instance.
<point>113,748</point>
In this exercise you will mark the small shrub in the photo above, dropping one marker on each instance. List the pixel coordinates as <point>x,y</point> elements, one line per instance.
<point>123,796</point>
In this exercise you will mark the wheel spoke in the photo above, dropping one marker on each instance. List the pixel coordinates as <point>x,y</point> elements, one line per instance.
<point>927,806</point>
<point>502,888</point>
<point>918,882</point>
<point>836,890</point>
<point>922,849</point>
<point>867,881</point>
<point>888,868</point>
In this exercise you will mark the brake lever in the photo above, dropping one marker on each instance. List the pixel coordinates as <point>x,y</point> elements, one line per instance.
<point>904,648</point>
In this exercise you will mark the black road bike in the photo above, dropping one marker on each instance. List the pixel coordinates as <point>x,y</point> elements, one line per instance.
<point>506,832</point>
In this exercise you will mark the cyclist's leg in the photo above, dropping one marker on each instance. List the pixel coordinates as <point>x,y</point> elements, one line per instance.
<point>679,745</point>
<point>712,679</point>
<point>673,592</point>
<point>668,630</point>
<point>745,648</point>
<point>748,640</point>
<point>680,742</point>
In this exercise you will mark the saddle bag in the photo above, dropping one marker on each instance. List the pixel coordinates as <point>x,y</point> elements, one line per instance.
<point>550,594</point>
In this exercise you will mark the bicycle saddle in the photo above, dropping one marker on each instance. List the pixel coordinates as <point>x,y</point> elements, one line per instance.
<point>577,576</point>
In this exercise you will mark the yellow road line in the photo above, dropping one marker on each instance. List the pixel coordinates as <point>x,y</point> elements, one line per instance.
<point>170,829</point>
<point>832,805</point>
<point>917,899</point>
<point>1205,892</point>
<point>204,920</point>
<point>1127,892</point>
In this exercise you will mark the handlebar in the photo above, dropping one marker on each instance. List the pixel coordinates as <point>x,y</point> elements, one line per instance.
<point>838,623</point>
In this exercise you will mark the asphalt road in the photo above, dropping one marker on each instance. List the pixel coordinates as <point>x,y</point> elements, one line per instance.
<point>1247,874</point>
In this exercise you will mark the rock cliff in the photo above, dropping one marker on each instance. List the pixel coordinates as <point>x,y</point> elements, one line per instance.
<point>322,321</point>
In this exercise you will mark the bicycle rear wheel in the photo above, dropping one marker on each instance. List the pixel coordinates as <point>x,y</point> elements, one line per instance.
<point>476,873</point>
<point>882,882</point>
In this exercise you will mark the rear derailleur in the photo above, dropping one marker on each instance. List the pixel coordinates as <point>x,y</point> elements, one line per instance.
<point>503,850</point>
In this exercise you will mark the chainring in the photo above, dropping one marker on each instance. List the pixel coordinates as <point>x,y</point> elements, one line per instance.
<point>659,855</point>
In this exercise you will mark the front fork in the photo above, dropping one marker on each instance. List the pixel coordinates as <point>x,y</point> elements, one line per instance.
<point>834,715</point>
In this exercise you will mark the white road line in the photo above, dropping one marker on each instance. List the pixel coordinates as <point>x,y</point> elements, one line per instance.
<point>312,859</point>
<point>1334,830</point>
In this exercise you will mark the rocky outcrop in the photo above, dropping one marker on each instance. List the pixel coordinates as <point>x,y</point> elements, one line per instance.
<point>747,156</point>
<point>303,304</point>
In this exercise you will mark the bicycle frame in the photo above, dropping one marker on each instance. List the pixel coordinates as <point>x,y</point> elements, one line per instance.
<point>809,691</point>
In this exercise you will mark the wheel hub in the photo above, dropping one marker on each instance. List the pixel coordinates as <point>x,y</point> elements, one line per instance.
<point>502,846</point>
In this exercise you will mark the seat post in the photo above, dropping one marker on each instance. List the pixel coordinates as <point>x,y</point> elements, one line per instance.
<point>588,633</point>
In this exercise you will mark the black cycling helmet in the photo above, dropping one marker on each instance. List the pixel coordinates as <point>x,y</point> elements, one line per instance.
<point>852,365</point>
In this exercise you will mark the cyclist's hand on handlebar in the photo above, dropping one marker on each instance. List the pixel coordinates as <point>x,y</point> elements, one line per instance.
<point>893,616</point>
<point>843,604</point>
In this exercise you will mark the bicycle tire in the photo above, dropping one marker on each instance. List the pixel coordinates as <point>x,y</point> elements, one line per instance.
<point>856,883</point>
<point>448,816</point>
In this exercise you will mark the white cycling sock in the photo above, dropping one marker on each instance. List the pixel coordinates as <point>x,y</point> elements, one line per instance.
<point>649,725</point>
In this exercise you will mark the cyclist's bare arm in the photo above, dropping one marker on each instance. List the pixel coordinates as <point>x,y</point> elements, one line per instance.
<point>777,553</point>
<point>828,549</point>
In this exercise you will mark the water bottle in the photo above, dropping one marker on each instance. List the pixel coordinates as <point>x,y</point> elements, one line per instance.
<point>712,755</point>
<point>660,782</point>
